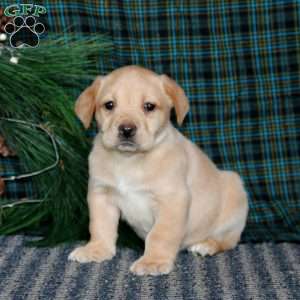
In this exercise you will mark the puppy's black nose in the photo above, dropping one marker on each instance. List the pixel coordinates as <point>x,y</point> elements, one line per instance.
<point>127,130</point>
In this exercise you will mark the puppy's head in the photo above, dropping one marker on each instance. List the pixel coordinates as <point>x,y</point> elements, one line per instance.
<point>132,107</point>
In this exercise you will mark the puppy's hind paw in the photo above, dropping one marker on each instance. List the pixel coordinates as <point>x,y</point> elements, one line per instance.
<point>90,253</point>
<point>208,247</point>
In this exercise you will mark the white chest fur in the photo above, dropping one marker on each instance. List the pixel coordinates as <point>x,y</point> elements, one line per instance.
<point>136,205</point>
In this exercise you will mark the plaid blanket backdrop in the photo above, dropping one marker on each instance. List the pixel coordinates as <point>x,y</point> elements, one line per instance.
<point>238,62</point>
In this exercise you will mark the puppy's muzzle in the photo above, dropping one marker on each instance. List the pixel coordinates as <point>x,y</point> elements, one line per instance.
<point>127,131</point>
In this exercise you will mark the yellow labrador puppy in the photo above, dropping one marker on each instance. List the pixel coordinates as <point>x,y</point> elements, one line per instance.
<point>145,171</point>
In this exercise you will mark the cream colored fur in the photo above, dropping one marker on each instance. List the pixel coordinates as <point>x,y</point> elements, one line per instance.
<point>163,185</point>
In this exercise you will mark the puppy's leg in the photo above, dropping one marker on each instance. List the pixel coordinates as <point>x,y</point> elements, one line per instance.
<point>232,218</point>
<point>104,218</point>
<point>165,237</point>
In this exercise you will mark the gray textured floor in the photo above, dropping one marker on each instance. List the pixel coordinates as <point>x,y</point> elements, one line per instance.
<point>262,271</point>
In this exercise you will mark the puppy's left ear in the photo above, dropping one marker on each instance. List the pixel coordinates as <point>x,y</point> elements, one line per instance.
<point>86,102</point>
<point>178,97</point>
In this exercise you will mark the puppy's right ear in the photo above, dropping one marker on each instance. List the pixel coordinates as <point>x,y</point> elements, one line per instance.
<point>86,102</point>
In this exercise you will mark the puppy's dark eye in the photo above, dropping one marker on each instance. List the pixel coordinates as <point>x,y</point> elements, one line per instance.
<point>109,105</point>
<point>149,106</point>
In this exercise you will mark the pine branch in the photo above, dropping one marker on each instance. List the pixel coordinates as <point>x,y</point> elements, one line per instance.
<point>40,89</point>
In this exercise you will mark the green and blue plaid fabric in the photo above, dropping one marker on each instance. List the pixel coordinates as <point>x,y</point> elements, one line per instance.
<point>238,62</point>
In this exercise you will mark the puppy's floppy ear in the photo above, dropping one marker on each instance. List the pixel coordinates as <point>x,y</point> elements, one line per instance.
<point>178,97</point>
<point>86,102</point>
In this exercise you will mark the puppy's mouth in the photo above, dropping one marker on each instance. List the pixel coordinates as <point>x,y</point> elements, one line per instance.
<point>128,146</point>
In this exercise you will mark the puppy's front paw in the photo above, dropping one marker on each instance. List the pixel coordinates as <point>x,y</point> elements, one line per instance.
<point>151,266</point>
<point>90,252</point>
